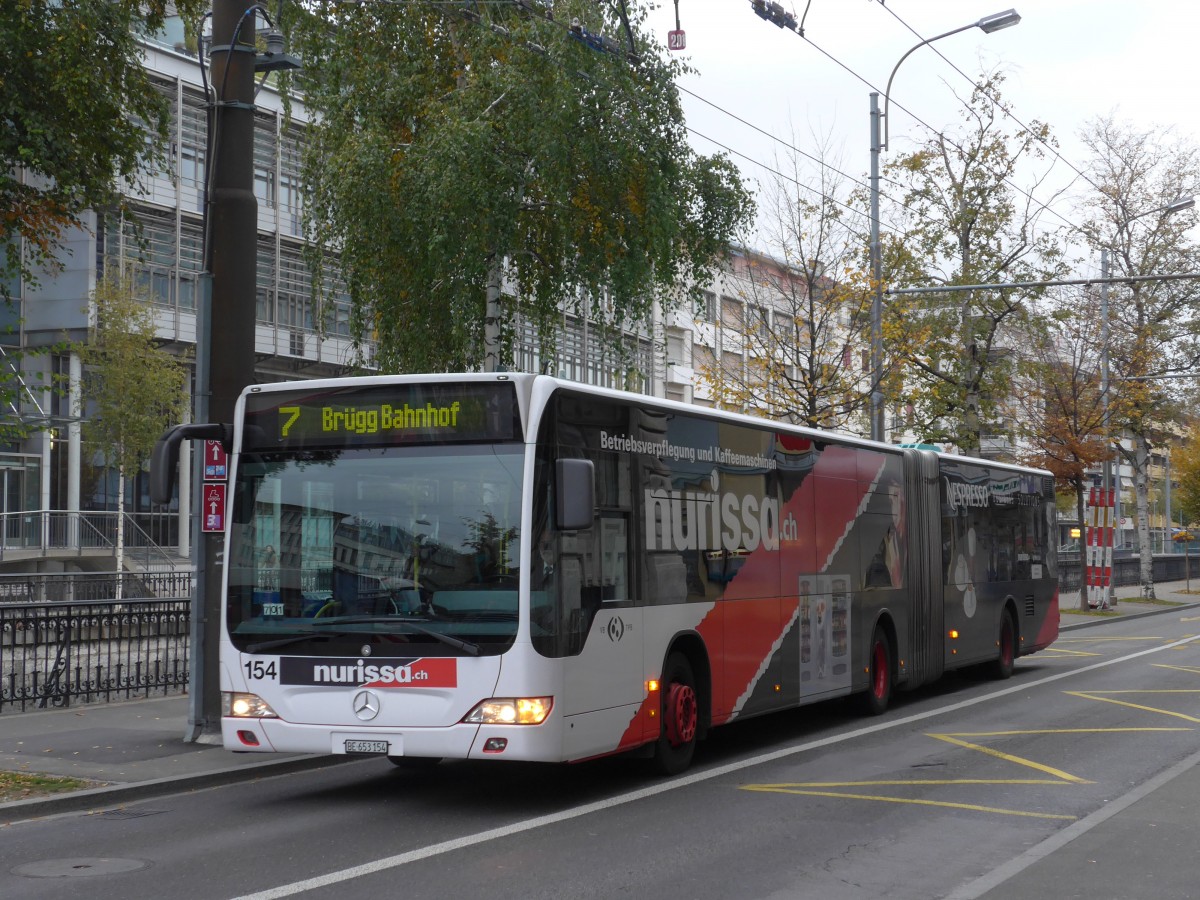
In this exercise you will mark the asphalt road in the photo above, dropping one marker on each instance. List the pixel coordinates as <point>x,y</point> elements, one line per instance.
<point>954,783</point>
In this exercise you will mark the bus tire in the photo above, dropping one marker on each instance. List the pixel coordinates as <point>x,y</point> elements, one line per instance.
<point>879,674</point>
<point>1006,646</point>
<point>680,717</point>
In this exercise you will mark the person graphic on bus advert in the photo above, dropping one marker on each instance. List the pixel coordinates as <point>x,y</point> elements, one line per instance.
<point>887,566</point>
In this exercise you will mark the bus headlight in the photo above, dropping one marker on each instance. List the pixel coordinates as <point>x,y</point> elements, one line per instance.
<point>245,706</point>
<point>511,711</point>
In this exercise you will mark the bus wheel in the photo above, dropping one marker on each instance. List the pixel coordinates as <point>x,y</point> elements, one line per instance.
<point>1007,645</point>
<point>879,672</point>
<point>680,717</point>
<point>414,763</point>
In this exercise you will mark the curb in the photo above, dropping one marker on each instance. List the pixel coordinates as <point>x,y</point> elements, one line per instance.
<point>1104,620</point>
<point>94,799</point>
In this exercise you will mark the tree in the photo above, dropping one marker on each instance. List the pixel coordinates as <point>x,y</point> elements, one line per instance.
<point>807,312</point>
<point>1155,324</point>
<point>77,106</point>
<point>1058,403</point>
<point>135,389</point>
<point>456,148</point>
<point>1185,469</point>
<point>961,221</point>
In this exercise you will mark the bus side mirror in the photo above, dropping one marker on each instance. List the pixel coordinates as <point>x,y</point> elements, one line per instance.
<point>574,493</point>
<point>164,459</point>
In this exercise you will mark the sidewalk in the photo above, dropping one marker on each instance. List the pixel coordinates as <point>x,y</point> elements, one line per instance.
<point>1169,594</point>
<point>130,750</point>
<point>136,749</point>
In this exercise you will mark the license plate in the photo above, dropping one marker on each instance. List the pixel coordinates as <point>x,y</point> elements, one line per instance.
<point>366,746</point>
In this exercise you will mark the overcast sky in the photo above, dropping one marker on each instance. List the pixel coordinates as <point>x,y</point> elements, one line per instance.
<point>1068,62</point>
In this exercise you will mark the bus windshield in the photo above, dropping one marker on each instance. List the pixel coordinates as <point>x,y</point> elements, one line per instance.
<point>335,550</point>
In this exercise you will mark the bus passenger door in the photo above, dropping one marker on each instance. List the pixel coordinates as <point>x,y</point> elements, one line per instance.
<point>604,683</point>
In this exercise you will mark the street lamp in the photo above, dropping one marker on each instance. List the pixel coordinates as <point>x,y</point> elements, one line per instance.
<point>1105,336</point>
<point>987,24</point>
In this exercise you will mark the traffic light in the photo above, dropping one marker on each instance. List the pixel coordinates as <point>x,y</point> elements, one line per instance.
<point>774,13</point>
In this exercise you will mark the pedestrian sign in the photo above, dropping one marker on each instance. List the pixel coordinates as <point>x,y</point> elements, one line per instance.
<point>212,508</point>
<point>216,461</point>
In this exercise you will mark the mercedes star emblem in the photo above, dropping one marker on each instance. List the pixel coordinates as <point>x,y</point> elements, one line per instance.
<point>365,705</point>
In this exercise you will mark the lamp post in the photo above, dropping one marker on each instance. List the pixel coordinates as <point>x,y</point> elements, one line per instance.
<point>987,24</point>
<point>225,365</point>
<point>1105,338</point>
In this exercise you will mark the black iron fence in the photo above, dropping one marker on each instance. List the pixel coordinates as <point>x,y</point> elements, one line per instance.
<point>93,587</point>
<point>1127,570</point>
<point>56,654</point>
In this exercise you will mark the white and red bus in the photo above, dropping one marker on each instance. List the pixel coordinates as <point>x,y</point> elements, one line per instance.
<point>517,567</point>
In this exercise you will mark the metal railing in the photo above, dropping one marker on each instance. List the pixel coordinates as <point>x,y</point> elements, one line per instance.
<point>1127,570</point>
<point>52,532</point>
<point>55,654</point>
<point>93,587</point>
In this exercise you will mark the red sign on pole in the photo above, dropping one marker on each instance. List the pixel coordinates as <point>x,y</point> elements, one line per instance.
<point>676,40</point>
<point>212,511</point>
<point>216,461</point>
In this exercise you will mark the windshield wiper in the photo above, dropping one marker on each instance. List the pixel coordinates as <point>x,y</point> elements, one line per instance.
<point>285,641</point>
<point>467,647</point>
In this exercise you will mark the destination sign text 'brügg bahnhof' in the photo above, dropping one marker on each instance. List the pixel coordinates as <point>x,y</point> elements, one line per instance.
<point>381,416</point>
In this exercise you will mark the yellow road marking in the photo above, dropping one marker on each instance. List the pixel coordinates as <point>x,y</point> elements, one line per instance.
<point>1097,695</point>
<point>905,782</point>
<point>1058,776</point>
<point>785,789</point>
<point>1190,619</point>
<point>1066,652</point>
<point>1193,669</point>
<point>1060,731</point>
<point>1049,770</point>
<point>1109,640</point>
<point>1150,691</point>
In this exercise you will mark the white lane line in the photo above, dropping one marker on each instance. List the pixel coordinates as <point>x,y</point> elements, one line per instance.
<point>471,840</point>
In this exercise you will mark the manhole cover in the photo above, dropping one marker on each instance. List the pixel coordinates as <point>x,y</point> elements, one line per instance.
<point>79,867</point>
<point>123,813</point>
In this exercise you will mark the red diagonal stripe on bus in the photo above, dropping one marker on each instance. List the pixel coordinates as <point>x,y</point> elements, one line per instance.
<point>744,629</point>
<point>751,635</point>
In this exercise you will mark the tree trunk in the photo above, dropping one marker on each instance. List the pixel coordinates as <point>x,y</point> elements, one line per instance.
<point>120,531</point>
<point>492,319</point>
<point>1141,485</point>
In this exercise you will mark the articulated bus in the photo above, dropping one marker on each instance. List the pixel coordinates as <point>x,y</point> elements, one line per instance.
<point>517,567</point>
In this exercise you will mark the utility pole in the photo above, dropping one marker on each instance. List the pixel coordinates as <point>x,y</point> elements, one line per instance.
<point>877,424</point>
<point>224,365</point>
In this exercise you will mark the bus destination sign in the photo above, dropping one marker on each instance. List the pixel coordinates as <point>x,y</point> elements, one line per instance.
<point>381,416</point>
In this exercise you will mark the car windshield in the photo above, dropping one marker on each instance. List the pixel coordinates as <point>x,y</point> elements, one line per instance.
<point>331,550</point>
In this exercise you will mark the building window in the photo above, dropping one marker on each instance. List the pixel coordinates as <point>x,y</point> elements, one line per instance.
<point>761,323</point>
<point>676,349</point>
<point>704,360</point>
<point>264,281</point>
<point>265,158</point>
<point>193,143</point>
<point>731,314</point>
